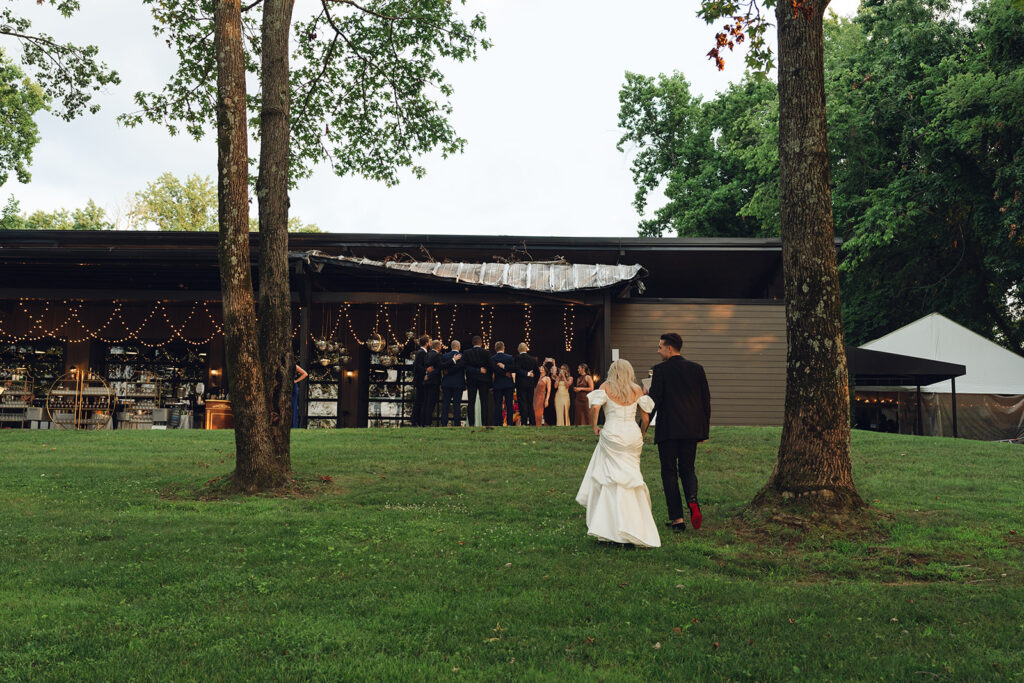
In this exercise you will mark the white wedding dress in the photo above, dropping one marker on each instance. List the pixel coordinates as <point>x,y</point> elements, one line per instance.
<point>613,490</point>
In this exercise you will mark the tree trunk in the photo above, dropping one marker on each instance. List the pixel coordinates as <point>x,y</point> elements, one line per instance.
<point>814,454</point>
<point>272,193</point>
<point>253,462</point>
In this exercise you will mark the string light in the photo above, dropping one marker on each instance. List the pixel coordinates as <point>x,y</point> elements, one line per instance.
<point>486,323</point>
<point>415,319</point>
<point>348,321</point>
<point>73,315</point>
<point>38,331</point>
<point>527,322</point>
<point>568,325</point>
<point>451,326</point>
<point>376,319</point>
<point>391,332</point>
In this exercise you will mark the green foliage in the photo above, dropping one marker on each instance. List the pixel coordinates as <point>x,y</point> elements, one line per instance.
<point>926,140</point>
<point>69,74</point>
<point>295,224</point>
<point>20,99</point>
<point>91,217</point>
<point>435,550</point>
<point>714,160</point>
<point>367,91</point>
<point>10,217</point>
<point>167,203</point>
<point>61,74</point>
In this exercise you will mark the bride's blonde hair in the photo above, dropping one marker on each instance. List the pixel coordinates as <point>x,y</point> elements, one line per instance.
<point>621,380</point>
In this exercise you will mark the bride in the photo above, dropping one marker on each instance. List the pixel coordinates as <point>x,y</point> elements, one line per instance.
<point>613,490</point>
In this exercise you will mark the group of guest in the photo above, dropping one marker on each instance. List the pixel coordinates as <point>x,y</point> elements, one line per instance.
<point>546,394</point>
<point>559,398</point>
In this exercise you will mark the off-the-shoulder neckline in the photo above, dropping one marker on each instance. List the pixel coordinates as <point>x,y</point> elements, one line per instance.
<point>621,405</point>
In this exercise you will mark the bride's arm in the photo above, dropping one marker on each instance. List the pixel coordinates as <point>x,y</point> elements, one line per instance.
<point>645,417</point>
<point>593,419</point>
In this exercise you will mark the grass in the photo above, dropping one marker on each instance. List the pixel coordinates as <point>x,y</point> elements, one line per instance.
<point>447,554</point>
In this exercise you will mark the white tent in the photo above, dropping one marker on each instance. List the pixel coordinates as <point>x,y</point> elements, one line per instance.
<point>991,369</point>
<point>991,394</point>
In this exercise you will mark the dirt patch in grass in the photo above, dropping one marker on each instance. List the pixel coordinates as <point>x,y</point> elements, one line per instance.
<point>790,528</point>
<point>819,548</point>
<point>224,488</point>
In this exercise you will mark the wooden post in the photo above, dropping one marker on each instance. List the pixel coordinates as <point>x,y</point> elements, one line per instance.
<point>606,352</point>
<point>303,360</point>
<point>920,419</point>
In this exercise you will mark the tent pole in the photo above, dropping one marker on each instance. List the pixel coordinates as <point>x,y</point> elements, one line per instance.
<point>952,381</point>
<point>920,420</point>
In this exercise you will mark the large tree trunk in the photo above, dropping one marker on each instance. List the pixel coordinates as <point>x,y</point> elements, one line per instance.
<point>272,192</point>
<point>253,463</point>
<point>814,455</point>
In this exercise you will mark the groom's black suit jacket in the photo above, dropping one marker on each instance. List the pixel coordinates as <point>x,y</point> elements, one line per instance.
<point>682,400</point>
<point>526,363</point>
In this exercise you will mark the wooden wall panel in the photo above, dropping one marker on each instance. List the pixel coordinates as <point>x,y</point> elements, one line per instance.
<point>741,346</point>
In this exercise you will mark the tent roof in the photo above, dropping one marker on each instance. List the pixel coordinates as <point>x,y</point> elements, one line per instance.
<point>991,369</point>
<point>881,369</point>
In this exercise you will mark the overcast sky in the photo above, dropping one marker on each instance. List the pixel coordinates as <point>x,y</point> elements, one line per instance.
<point>539,111</point>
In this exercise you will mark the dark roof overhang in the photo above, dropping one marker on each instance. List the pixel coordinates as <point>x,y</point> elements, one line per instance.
<point>882,369</point>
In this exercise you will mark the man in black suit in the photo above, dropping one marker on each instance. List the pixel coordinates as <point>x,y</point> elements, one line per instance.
<point>682,403</point>
<point>431,383</point>
<point>419,370</point>
<point>453,383</point>
<point>503,366</point>
<point>478,381</point>
<point>527,372</point>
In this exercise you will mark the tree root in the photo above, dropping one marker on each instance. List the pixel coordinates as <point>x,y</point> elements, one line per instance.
<point>822,500</point>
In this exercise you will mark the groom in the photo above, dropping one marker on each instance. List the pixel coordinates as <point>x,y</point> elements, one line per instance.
<point>682,403</point>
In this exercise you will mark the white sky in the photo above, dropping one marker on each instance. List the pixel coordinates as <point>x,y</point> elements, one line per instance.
<point>539,111</point>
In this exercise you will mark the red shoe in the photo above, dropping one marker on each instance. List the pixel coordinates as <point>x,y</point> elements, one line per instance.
<point>695,517</point>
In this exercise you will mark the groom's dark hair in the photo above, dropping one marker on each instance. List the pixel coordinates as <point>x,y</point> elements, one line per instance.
<point>674,340</point>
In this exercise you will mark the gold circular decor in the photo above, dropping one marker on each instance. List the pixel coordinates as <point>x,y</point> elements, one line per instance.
<point>80,400</point>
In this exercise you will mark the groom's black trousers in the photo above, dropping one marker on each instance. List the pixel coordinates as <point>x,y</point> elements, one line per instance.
<point>677,456</point>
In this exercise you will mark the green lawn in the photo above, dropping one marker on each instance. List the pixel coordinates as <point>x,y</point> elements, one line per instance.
<point>462,554</point>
